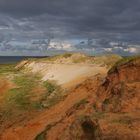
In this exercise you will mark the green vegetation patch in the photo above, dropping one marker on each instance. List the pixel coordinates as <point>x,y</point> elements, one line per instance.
<point>21,95</point>
<point>123,61</point>
<point>7,68</point>
<point>51,86</point>
<point>108,60</point>
<point>80,59</point>
<point>24,96</point>
<point>52,58</point>
<point>53,95</point>
<point>27,80</point>
<point>74,58</point>
<point>67,55</point>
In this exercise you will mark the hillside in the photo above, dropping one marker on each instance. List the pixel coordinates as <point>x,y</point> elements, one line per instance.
<point>121,87</point>
<point>119,94</point>
<point>68,67</point>
<point>101,105</point>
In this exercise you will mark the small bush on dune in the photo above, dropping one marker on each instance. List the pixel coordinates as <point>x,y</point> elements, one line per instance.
<point>50,86</point>
<point>54,93</point>
<point>22,100</point>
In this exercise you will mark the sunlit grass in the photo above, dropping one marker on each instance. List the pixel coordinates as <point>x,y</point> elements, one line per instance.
<point>7,68</point>
<point>123,61</point>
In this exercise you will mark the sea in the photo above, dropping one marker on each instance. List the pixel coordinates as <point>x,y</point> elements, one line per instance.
<point>15,59</point>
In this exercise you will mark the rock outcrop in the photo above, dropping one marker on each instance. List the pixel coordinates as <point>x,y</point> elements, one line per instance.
<point>120,90</point>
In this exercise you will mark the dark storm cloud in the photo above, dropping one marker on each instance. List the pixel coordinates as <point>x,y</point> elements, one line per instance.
<point>103,20</point>
<point>82,15</point>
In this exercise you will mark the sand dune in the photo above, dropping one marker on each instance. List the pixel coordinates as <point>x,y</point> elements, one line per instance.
<point>65,73</point>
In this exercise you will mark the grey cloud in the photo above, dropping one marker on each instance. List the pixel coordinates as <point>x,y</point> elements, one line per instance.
<point>104,20</point>
<point>83,16</point>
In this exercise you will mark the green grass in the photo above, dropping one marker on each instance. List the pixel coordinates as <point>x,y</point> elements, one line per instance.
<point>24,99</point>
<point>21,95</point>
<point>7,68</point>
<point>108,60</point>
<point>53,58</point>
<point>26,80</point>
<point>79,59</point>
<point>54,94</point>
<point>123,61</point>
<point>67,55</point>
<point>54,100</point>
<point>51,86</point>
<point>74,58</point>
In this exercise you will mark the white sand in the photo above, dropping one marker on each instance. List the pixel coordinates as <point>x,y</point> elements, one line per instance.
<point>64,73</point>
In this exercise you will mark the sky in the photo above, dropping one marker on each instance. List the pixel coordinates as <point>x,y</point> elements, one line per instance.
<point>92,26</point>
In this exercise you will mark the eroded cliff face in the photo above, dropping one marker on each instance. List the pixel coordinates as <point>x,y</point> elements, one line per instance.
<point>114,109</point>
<point>128,72</point>
<point>120,90</point>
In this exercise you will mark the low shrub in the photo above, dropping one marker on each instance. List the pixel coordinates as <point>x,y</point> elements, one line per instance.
<point>54,94</point>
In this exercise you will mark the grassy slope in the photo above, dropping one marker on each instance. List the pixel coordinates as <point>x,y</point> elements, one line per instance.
<point>109,60</point>
<point>123,61</point>
<point>24,97</point>
<point>7,68</point>
<point>76,58</point>
<point>21,97</point>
